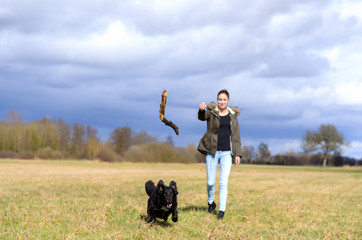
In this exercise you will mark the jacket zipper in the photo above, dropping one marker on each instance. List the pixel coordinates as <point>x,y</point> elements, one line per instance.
<point>231,142</point>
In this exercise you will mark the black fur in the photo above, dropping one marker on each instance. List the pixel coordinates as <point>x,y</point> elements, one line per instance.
<point>162,201</point>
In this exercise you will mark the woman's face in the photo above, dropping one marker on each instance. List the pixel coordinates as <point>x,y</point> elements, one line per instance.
<point>222,100</point>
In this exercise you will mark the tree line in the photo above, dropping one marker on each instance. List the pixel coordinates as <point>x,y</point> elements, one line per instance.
<point>46,138</point>
<point>262,155</point>
<point>56,139</point>
<point>321,147</point>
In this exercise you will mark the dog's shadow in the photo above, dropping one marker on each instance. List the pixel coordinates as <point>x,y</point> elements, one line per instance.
<point>193,208</point>
<point>157,222</point>
<point>182,209</point>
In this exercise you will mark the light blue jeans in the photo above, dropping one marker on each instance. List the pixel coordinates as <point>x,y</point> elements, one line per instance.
<point>225,167</point>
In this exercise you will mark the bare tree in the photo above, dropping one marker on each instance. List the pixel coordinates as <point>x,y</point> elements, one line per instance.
<point>169,140</point>
<point>93,142</point>
<point>78,140</point>
<point>64,135</point>
<point>326,140</point>
<point>14,117</point>
<point>121,139</point>
<point>263,152</point>
<point>246,153</point>
<point>142,138</point>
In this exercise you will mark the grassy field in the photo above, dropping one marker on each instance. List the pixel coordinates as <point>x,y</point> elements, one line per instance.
<point>86,200</point>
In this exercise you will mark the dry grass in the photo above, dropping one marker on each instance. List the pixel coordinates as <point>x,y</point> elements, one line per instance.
<point>85,200</point>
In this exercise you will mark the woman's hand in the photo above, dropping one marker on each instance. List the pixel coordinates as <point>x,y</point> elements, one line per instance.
<point>202,106</point>
<point>237,160</point>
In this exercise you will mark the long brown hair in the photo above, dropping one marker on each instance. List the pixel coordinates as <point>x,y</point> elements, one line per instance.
<point>223,91</point>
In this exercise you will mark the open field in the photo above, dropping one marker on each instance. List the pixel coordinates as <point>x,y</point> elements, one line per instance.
<point>85,200</point>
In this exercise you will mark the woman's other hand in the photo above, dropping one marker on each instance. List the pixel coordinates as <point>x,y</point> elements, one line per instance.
<point>237,160</point>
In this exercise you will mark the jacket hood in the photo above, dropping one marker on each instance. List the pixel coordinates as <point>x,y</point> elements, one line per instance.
<point>232,110</point>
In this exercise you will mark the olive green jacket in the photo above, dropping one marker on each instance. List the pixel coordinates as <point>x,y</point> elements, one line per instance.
<point>208,142</point>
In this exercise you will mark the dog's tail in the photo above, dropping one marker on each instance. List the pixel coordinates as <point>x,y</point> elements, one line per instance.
<point>150,187</point>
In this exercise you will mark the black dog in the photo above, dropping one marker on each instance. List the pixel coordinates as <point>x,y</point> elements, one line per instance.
<point>162,201</point>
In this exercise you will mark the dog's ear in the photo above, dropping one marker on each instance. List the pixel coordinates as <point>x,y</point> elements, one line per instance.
<point>174,187</point>
<point>160,187</point>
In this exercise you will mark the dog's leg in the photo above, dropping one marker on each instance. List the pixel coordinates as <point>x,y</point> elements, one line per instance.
<point>174,215</point>
<point>150,219</point>
<point>150,216</point>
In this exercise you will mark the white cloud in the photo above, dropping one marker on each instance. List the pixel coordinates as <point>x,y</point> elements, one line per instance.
<point>349,93</point>
<point>116,34</point>
<point>349,8</point>
<point>353,150</point>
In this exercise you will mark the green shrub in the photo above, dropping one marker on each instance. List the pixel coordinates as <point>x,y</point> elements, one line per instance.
<point>107,154</point>
<point>48,153</point>
<point>162,152</point>
<point>26,155</point>
<point>8,154</point>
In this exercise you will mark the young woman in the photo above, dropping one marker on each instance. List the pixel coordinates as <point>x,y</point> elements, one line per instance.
<point>221,142</point>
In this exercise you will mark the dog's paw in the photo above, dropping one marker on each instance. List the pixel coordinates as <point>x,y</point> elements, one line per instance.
<point>174,219</point>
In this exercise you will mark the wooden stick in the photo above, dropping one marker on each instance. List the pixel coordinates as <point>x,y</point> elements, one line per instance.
<point>162,112</point>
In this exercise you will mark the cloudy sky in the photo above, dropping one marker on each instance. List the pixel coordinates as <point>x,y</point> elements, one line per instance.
<point>289,65</point>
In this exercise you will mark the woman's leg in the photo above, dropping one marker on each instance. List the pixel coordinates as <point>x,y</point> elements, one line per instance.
<point>225,167</point>
<point>211,166</point>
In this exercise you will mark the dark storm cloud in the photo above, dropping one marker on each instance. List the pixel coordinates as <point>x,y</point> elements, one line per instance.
<point>106,63</point>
